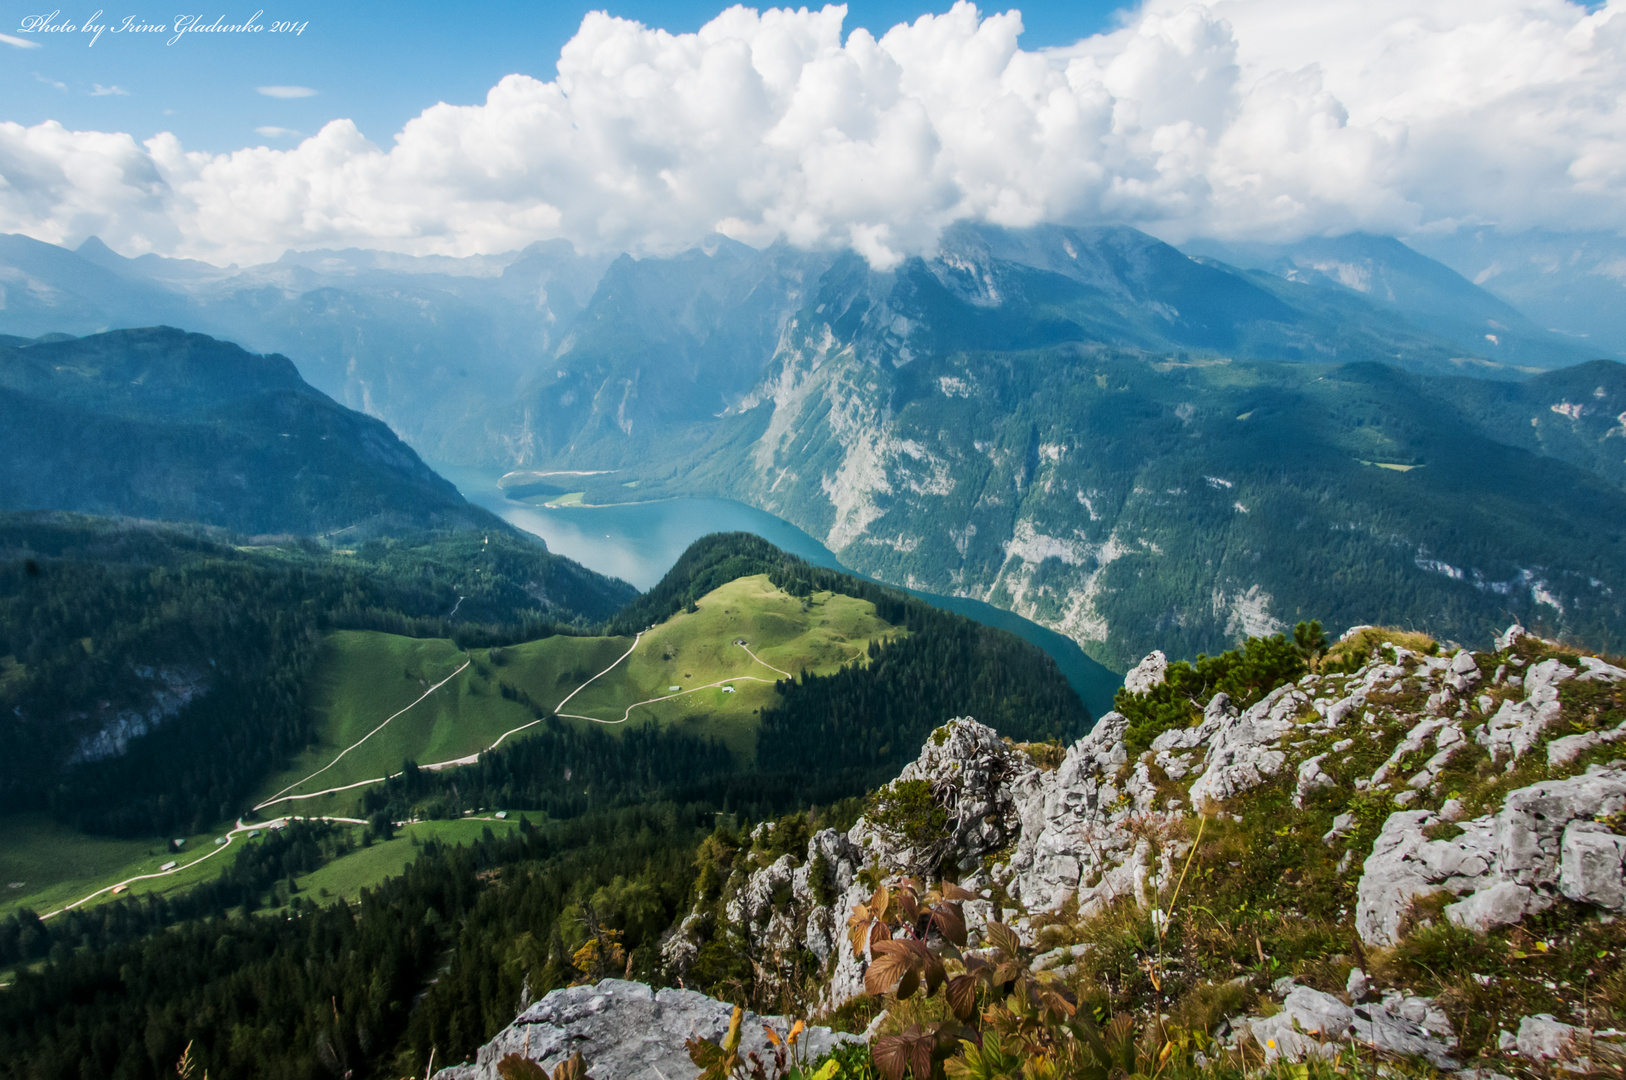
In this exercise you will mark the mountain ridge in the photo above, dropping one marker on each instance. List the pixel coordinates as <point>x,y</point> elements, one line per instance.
<point>181,427</point>
<point>1064,482</point>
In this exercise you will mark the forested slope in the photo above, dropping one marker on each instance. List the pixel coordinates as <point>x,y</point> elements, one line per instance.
<point>436,959</point>
<point>151,676</point>
<point>825,737</point>
<point>161,424</point>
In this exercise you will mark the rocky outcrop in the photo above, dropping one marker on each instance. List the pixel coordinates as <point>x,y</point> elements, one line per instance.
<point>1315,1024</point>
<point>1546,841</point>
<point>164,692</point>
<point>627,1031</point>
<point>980,783</point>
<point>1543,1039</point>
<point>1148,673</point>
<point>1398,735</point>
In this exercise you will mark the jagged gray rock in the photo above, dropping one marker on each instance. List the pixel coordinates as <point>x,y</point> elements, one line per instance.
<point>1148,673</point>
<point>1545,839</point>
<point>1590,865</point>
<point>1502,904</point>
<point>1106,824</point>
<point>626,1031</point>
<point>1400,1026</point>
<point>1509,638</point>
<point>1518,724</point>
<point>1242,751</point>
<point>1543,1038</point>
<point>978,779</point>
<point>1072,841</point>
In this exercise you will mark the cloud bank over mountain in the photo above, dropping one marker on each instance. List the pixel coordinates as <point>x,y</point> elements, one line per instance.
<point>1247,119</point>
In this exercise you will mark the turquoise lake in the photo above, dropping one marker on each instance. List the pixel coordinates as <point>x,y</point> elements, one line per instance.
<point>639,542</point>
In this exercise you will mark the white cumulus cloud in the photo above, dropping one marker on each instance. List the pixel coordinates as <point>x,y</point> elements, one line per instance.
<point>286,91</point>
<point>1267,119</point>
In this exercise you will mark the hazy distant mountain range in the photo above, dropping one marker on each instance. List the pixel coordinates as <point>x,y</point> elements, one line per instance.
<point>457,355</point>
<point>166,425</point>
<point>1137,445</point>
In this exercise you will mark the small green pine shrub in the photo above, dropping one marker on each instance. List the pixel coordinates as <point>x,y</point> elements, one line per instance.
<point>908,812</point>
<point>1246,674</point>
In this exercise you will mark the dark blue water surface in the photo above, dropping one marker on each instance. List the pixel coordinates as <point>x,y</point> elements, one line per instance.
<point>639,542</point>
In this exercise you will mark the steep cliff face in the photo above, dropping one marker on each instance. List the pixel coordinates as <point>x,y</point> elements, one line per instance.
<point>1433,810</point>
<point>1134,501</point>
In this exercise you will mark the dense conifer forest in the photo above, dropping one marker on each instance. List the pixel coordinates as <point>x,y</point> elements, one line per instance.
<point>197,650</point>
<point>439,958</point>
<point>322,992</point>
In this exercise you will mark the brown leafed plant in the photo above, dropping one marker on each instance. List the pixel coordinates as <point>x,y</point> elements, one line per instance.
<point>787,1057</point>
<point>1009,1023</point>
<point>520,1067</point>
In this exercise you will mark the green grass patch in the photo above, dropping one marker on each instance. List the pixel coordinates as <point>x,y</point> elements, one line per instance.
<point>698,651</point>
<point>45,865</point>
<point>368,867</point>
<point>363,678</point>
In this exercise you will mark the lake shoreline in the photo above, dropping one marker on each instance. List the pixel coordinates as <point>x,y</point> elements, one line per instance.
<point>645,537</point>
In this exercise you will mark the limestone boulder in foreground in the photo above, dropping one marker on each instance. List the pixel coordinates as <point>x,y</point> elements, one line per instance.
<point>626,1031</point>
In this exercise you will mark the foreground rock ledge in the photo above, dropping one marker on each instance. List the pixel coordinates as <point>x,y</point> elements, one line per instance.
<point>626,1031</point>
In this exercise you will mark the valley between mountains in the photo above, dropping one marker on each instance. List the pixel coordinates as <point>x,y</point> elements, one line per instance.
<point>315,770</point>
<point>1137,446</point>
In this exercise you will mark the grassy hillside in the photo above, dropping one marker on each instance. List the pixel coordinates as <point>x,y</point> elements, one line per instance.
<point>150,678</point>
<point>362,679</point>
<point>44,866</point>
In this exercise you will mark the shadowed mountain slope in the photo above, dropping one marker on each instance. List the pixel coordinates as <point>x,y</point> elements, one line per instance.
<point>162,424</point>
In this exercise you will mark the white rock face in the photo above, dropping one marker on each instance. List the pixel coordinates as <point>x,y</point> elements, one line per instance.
<point>1107,824</point>
<point>1314,1024</point>
<point>626,1031</point>
<point>1518,724</point>
<point>1148,673</point>
<point>1542,1038</point>
<point>982,783</point>
<point>1242,750</point>
<point>1502,904</point>
<point>1590,865</point>
<point>1072,839</point>
<point>1543,841</point>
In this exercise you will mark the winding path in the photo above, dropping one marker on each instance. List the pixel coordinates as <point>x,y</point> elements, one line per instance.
<point>763,662</point>
<point>433,766</point>
<point>231,834</point>
<point>514,731</point>
<point>283,796</point>
<point>668,697</point>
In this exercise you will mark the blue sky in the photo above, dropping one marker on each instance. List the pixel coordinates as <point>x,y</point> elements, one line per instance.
<point>378,64</point>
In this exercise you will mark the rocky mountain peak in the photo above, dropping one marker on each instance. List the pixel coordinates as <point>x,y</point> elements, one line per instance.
<point>1425,787</point>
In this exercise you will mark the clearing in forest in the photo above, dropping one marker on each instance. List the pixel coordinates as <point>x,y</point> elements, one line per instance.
<point>443,704</point>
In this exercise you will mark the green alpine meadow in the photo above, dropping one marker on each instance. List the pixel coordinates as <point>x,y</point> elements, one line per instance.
<point>867,541</point>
